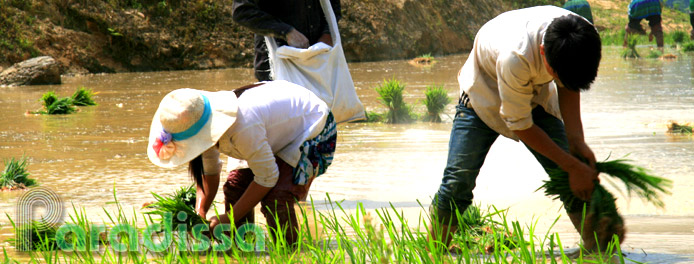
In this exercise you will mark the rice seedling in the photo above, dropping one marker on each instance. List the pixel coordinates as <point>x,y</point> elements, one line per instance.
<point>602,214</point>
<point>688,46</point>
<point>382,235</point>
<point>15,175</point>
<point>436,99</point>
<point>48,98</point>
<point>390,94</point>
<point>425,60</point>
<point>654,54</point>
<point>181,201</point>
<point>83,97</point>
<point>679,36</point>
<point>371,117</point>
<point>675,127</point>
<point>52,105</point>
<point>40,234</point>
<point>630,51</point>
<point>480,232</point>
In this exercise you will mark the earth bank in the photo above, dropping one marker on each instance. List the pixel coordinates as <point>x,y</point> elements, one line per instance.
<point>95,36</point>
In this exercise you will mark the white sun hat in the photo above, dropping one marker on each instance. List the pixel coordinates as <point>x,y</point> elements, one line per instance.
<point>187,123</point>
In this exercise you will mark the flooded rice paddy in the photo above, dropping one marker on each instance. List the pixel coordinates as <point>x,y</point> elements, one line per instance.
<point>84,156</point>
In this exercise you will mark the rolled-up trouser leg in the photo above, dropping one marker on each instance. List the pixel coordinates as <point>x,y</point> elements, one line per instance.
<point>278,204</point>
<point>655,22</point>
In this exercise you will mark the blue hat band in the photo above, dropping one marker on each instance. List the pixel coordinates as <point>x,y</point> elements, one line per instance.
<point>195,128</point>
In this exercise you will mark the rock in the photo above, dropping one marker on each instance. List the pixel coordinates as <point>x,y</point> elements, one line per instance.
<point>36,71</point>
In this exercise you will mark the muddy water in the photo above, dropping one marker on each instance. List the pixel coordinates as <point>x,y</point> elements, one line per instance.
<point>85,155</point>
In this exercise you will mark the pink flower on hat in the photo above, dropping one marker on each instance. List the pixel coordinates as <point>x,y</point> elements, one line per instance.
<point>167,151</point>
<point>164,146</point>
<point>187,123</point>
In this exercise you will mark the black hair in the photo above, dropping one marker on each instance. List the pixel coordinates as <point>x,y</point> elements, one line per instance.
<point>573,51</point>
<point>195,170</point>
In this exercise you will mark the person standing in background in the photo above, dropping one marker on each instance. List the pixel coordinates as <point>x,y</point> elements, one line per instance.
<point>297,23</point>
<point>691,18</point>
<point>645,9</point>
<point>582,8</point>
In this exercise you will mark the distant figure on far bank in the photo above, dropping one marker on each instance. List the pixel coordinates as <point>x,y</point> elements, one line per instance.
<point>650,10</point>
<point>581,7</point>
<point>691,18</point>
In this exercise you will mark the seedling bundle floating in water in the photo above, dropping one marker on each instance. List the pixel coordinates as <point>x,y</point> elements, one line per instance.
<point>390,95</point>
<point>83,97</point>
<point>15,175</point>
<point>675,127</point>
<point>602,213</point>
<point>53,105</point>
<point>182,201</point>
<point>436,99</point>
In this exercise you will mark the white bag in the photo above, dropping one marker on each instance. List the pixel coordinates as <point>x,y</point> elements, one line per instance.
<point>321,69</point>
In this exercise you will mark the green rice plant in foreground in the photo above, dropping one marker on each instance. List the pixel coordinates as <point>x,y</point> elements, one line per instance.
<point>391,95</point>
<point>42,235</point>
<point>182,200</point>
<point>83,97</point>
<point>15,174</point>
<point>436,99</point>
<point>349,236</point>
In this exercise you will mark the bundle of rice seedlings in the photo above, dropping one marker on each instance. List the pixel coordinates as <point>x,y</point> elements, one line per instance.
<point>15,175</point>
<point>679,36</point>
<point>674,127</point>
<point>52,105</point>
<point>436,99</point>
<point>602,215</point>
<point>688,46</point>
<point>181,201</point>
<point>372,117</point>
<point>61,106</point>
<point>425,60</point>
<point>654,54</point>
<point>390,95</point>
<point>479,231</point>
<point>49,98</point>
<point>630,51</point>
<point>83,97</point>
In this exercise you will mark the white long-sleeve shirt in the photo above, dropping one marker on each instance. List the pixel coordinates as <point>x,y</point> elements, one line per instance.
<point>504,76</point>
<point>273,119</point>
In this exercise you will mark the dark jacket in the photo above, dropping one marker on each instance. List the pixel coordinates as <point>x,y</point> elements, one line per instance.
<point>277,17</point>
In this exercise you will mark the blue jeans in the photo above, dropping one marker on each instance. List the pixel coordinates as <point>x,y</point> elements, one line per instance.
<point>469,144</point>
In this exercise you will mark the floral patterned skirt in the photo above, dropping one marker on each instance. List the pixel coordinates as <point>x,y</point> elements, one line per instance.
<point>317,153</point>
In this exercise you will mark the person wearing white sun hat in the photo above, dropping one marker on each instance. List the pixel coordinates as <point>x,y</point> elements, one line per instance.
<point>283,131</point>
